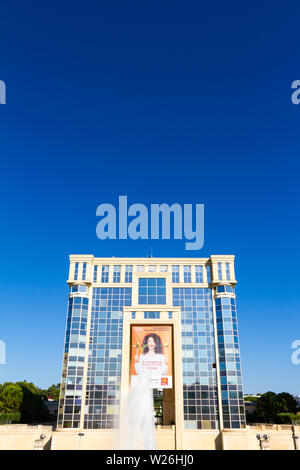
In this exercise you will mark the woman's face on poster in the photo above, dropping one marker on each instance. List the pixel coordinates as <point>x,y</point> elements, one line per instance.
<point>151,343</point>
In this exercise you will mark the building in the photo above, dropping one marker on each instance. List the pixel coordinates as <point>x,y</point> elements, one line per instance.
<point>189,300</point>
<point>52,407</point>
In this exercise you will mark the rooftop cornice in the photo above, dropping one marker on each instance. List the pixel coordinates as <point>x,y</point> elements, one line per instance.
<point>138,260</point>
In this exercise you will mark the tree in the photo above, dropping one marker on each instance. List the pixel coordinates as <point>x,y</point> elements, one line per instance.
<point>53,391</point>
<point>10,397</point>
<point>32,407</point>
<point>270,406</point>
<point>289,402</point>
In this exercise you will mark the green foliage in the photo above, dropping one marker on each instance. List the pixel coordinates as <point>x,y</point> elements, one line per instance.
<point>274,408</point>
<point>288,418</point>
<point>10,398</point>
<point>6,418</point>
<point>252,399</point>
<point>52,391</point>
<point>32,407</point>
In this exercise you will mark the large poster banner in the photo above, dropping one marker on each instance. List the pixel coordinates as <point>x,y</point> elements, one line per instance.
<point>151,354</point>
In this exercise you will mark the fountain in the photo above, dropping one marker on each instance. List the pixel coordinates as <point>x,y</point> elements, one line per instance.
<point>137,427</point>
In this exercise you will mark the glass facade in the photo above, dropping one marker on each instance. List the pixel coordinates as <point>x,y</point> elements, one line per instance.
<point>91,375</point>
<point>73,363</point>
<point>230,363</point>
<point>105,355</point>
<point>198,358</point>
<point>152,290</point>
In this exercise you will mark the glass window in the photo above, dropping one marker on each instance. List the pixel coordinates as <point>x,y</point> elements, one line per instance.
<point>128,273</point>
<point>105,273</point>
<point>76,271</point>
<point>151,315</point>
<point>152,291</point>
<point>199,274</point>
<point>140,268</point>
<point>151,269</point>
<point>227,272</point>
<point>175,274</point>
<point>208,272</point>
<point>117,274</point>
<point>220,271</point>
<point>95,273</point>
<point>163,268</point>
<point>83,271</point>
<point>187,274</point>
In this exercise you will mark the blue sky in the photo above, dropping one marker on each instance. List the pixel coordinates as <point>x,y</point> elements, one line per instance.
<point>163,102</point>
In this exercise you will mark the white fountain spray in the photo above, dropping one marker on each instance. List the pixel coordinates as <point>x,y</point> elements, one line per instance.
<point>137,427</point>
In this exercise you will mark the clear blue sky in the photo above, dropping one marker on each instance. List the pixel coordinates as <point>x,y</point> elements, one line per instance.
<point>163,102</point>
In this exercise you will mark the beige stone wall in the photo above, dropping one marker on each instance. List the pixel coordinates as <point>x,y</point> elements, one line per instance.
<point>201,440</point>
<point>22,437</point>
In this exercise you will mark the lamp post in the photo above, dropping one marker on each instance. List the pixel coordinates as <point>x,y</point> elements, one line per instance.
<point>264,441</point>
<point>296,439</point>
<point>81,434</point>
<point>38,443</point>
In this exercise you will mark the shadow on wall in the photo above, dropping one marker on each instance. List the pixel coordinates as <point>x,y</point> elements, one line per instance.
<point>218,442</point>
<point>48,444</point>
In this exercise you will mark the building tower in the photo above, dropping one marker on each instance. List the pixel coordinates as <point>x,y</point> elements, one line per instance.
<point>111,299</point>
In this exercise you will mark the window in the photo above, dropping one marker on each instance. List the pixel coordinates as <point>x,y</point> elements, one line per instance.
<point>170,315</point>
<point>76,271</point>
<point>151,315</point>
<point>117,274</point>
<point>140,268</point>
<point>208,272</point>
<point>105,272</point>
<point>95,273</point>
<point>225,289</point>
<point>78,288</point>
<point>175,274</point>
<point>151,269</point>
<point>83,271</point>
<point>163,268</point>
<point>187,274</point>
<point>199,274</point>
<point>227,272</point>
<point>133,315</point>
<point>220,271</point>
<point>128,274</point>
<point>152,291</point>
